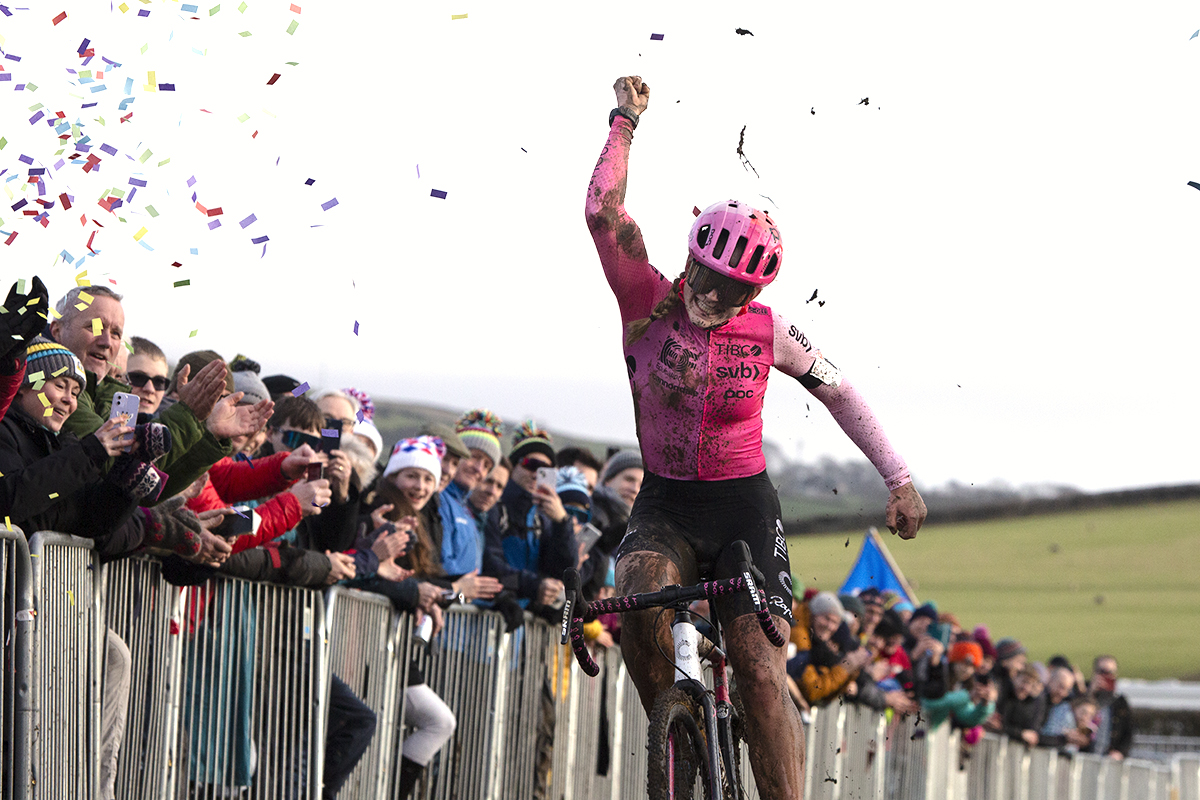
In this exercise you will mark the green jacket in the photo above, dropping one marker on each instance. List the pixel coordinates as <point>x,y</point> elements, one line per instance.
<point>957,703</point>
<point>193,448</point>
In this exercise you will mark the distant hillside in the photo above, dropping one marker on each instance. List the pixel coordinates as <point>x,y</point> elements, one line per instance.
<point>830,495</point>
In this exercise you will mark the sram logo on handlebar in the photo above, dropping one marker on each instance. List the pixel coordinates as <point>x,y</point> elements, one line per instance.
<point>566,618</point>
<point>752,587</point>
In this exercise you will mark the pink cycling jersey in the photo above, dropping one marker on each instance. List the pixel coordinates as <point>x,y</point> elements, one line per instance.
<point>698,394</point>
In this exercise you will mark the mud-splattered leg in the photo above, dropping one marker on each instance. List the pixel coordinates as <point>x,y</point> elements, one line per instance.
<point>774,733</point>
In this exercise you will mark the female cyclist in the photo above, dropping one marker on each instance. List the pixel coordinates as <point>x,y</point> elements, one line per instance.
<point>698,351</point>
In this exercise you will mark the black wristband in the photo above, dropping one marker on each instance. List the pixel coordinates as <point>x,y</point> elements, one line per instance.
<point>626,112</point>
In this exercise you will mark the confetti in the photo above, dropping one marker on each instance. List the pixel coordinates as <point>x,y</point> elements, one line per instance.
<point>458,16</point>
<point>310,181</point>
<point>52,496</point>
<point>301,389</point>
<point>250,220</point>
<point>330,433</point>
<point>192,335</point>
<point>743,32</point>
<point>656,37</point>
<point>1193,183</point>
<point>62,15</point>
<point>294,8</point>
<point>356,327</point>
<point>291,29</point>
<point>438,193</point>
<point>214,9</point>
<point>274,78</point>
<point>184,282</point>
<point>328,204</point>
<point>137,237</point>
<point>1194,35</point>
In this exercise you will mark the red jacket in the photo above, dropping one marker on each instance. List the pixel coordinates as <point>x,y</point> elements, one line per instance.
<point>232,482</point>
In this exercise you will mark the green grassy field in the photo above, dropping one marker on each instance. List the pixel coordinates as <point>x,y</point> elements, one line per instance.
<point>1125,581</point>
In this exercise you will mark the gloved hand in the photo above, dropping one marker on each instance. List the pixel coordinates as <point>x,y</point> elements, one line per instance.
<point>171,528</point>
<point>514,615</point>
<point>139,480</point>
<point>151,441</point>
<point>21,322</point>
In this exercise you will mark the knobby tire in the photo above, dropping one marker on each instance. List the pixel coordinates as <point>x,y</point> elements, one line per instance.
<point>675,710</point>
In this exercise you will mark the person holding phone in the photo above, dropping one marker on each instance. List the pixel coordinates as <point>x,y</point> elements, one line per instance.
<point>698,351</point>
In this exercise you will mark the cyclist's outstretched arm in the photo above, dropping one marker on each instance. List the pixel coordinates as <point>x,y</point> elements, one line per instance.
<point>795,355</point>
<point>637,285</point>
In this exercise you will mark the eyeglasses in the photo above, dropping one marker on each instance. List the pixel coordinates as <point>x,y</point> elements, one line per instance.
<point>582,515</point>
<point>532,464</point>
<point>294,439</point>
<point>139,379</point>
<point>730,293</point>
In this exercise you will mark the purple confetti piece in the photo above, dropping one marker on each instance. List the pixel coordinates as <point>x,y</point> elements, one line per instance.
<point>5,76</point>
<point>166,87</point>
<point>216,223</point>
<point>37,171</point>
<point>83,46</point>
<point>137,182</point>
<point>4,10</point>
<point>438,193</point>
<point>235,508</point>
<point>143,12</point>
<point>36,117</point>
<point>656,37</point>
<point>328,204</point>
<point>277,160</point>
<point>17,206</point>
<point>260,240</point>
<point>11,57</point>
<point>106,61</point>
<point>250,220</point>
<point>89,105</point>
<point>20,87</point>
<point>330,433</point>
<point>356,334</point>
<point>116,204</point>
<point>301,389</point>
<point>193,197</point>
<point>108,148</point>
<point>132,192</point>
<point>59,165</point>
<point>310,181</point>
<point>361,416</point>
<point>192,181</point>
<point>418,170</point>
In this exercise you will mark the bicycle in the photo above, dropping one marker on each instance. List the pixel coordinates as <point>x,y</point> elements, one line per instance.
<point>680,745</point>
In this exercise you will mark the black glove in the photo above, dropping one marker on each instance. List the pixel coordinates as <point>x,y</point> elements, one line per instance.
<point>514,616</point>
<point>21,322</point>
<point>139,480</point>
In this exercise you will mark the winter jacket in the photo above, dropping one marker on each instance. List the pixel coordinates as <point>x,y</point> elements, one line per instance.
<point>53,482</point>
<point>523,545</point>
<point>611,515</point>
<point>1115,728</point>
<point>460,537</point>
<point>231,482</point>
<point>193,450</point>
<point>1024,715</point>
<point>818,683</point>
<point>956,703</point>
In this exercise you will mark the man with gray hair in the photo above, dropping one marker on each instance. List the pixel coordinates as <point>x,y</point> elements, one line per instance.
<point>90,323</point>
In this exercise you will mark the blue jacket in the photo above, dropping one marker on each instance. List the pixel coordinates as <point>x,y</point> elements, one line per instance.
<point>460,537</point>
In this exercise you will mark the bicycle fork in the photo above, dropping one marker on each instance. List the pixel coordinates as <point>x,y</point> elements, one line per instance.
<point>687,661</point>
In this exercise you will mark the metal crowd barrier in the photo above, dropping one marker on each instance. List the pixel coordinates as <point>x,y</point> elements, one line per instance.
<point>1185,776</point>
<point>16,678</point>
<point>144,610</point>
<point>67,645</point>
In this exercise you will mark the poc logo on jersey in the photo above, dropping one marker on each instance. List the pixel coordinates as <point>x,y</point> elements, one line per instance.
<point>738,394</point>
<point>676,356</point>
<point>738,350</point>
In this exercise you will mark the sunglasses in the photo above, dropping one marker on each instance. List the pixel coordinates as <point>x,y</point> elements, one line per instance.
<point>139,379</point>
<point>294,439</point>
<point>730,293</point>
<point>533,464</point>
<point>582,515</point>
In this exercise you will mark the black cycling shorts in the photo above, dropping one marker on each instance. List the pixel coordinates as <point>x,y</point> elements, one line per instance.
<point>694,522</point>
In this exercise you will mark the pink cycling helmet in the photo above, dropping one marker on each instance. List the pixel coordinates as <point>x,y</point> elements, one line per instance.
<point>737,241</point>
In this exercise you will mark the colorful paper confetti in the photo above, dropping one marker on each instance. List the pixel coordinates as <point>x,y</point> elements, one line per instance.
<point>656,37</point>
<point>328,204</point>
<point>438,193</point>
<point>301,389</point>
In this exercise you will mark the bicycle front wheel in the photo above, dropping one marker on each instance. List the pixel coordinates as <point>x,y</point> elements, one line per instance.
<point>677,767</point>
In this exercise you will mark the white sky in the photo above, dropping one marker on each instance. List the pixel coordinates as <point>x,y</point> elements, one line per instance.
<point>1004,237</point>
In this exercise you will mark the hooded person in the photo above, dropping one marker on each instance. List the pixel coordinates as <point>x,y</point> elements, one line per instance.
<point>611,501</point>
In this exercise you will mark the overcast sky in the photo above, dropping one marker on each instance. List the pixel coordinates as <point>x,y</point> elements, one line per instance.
<point>1002,235</point>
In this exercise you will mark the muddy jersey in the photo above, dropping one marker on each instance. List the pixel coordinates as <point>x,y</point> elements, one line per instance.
<point>698,394</point>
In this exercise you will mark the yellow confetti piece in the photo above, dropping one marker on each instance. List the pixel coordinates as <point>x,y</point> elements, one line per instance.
<point>145,155</point>
<point>458,16</point>
<point>167,161</point>
<point>145,47</point>
<point>128,347</point>
<point>81,279</point>
<point>124,8</point>
<point>37,376</point>
<point>80,306</point>
<point>243,117</point>
<point>97,326</point>
<point>42,397</point>
<point>85,297</point>
<point>193,333</point>
<point>48,412</point>
<point>71,595</point>
<point>137,237</point>
<point>53,495</point>
<point>7,522</point>
<point>269,114</point>
<point>58,372</point>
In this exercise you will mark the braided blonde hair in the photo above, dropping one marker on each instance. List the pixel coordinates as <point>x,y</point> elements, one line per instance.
<point>637,329</point>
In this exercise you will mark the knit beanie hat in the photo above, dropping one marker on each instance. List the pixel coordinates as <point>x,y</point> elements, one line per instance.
<point>852,604</point>
<point>1007,648</point>
<point>825,603</point>
<point>367,410</point>
<point>967,651</point>
<point>981,635</point>
<point>453,444</point>
<point>572,487</point>
<point>368,429</point>
<point>890,625</point>
<point>198,360</point>
<point>620,461</point>
<point>45,360</point>
<point>423,452</point>
<point>926,610</point>
<point>529,439</point>
<point>251,386</point>
<point>479,429</point>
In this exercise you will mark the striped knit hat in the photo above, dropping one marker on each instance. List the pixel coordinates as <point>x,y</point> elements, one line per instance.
<point>46,360</point>
<point>480,429</point>
<point>423,452</point>
<point>529,439</point>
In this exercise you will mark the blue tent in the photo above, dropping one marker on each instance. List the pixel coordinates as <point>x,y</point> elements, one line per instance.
<point>876,567</point>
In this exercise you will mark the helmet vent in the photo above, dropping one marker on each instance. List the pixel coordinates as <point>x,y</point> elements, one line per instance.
<point>755,258</point>
<point>738,249</point>
<point>702,235</point>
<point>722,240</point>
<point>771,265</point>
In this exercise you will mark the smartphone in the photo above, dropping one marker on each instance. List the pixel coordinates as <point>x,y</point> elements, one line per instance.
<point>548,477</point>
<point>588,535</point>
<point>331,435</point>
<point>314,471</point>
<point>125,403</point>
<point>243,521</point>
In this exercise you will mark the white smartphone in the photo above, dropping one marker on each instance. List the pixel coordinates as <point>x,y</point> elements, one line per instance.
<point>588,535</point>
<point>548,477</point>
<point>125,403</point>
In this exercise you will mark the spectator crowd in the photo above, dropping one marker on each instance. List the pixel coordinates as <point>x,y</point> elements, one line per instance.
<point>222,470</point>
